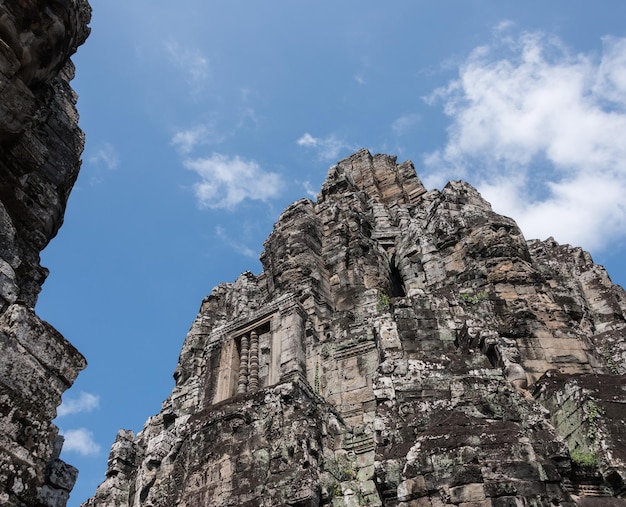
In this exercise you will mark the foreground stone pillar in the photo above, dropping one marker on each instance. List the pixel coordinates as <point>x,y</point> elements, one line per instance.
<point>253,383</point>
<point>243,366</point>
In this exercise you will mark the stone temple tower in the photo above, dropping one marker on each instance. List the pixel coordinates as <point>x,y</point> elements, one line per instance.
<point>402,347</point>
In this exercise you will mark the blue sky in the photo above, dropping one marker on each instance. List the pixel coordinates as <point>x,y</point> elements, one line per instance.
<point>205,119</point>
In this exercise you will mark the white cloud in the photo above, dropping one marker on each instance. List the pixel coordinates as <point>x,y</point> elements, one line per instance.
<point>327,148</point>
<point>86,402</point>
<point>81,441</point>
<point>204,134</point>
<point>611,82</point>
<point>503,26</point>
<point>191,61</point>
<point>308,140</point>
<point>310,191</point>
<point>540,132</point>
<point>235,245</point>
<point>106,155</point>
<point>186,140</point>
<point>226,182</point>
<point>403,124</point>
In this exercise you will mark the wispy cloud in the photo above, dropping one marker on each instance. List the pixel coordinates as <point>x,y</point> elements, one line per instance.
<point>403,124</point>
<point>80,441</point>
<point>104,155</point>
<point>190,61</point>
<point>503,26</point>
<point>327,148</point>
<point>238,246</point>
<point>186,140</point>
<point>308,188</point>
<point>227,181</point>
<point>204,134</point>
<point>540,132</point>
<point>86,402</point>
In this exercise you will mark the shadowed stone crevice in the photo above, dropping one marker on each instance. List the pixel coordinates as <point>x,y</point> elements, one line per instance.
<point>397,283</point>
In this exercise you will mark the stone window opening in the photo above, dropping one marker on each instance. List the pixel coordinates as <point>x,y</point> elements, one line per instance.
<point>244,363</point>
<point>255,353</point>
<point>253,350</point>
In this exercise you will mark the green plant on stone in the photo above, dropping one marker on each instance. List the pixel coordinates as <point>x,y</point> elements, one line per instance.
<point>473,299</point>
<point>466,298</point>
<point>384,302</point>
<point>594,412</point>
<point>584,458</point>
<point>610,362</point>
<point>349,473</point>
<point>336,490</point>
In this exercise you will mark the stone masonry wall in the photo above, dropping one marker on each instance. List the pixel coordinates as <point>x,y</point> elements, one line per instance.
<point>40,147</point>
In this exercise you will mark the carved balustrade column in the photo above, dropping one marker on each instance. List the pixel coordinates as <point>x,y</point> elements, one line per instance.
<point>253,384</point>
<point>243,366</point>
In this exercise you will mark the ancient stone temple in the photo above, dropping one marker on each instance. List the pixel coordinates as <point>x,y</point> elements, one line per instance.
<point>40,148</point>
<point>402,347</point>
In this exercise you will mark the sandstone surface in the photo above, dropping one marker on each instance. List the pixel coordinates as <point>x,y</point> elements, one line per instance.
<point>40,147</point>
<point>402,347</point>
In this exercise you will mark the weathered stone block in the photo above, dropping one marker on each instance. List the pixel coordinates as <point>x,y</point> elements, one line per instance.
<point>467,493</point>
<point>53,497</point>
<point>61,475</point>
<point>412,488</point>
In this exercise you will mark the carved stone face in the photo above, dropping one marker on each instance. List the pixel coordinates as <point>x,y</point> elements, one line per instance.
<point>41,34</point>
<point>37,37</point>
